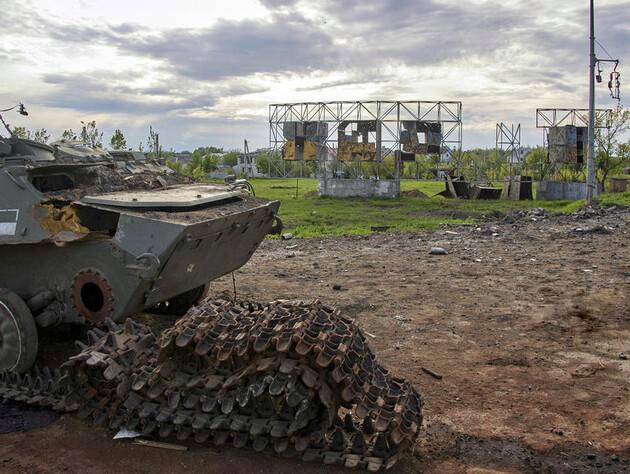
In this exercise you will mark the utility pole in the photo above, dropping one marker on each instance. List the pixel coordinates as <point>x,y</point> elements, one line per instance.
<point>590,162</point>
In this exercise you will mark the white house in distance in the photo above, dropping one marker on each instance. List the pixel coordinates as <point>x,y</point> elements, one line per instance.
<point>246,163</point>
<point>519,155</point>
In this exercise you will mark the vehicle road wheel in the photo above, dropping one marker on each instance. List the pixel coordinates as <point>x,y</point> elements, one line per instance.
<point>18,334</point>
<point>180,304</point>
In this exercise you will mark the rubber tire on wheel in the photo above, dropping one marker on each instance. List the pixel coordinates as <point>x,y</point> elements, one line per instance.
<point>18,334</point>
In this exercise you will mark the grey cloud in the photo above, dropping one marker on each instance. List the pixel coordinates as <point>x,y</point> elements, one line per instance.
<point>102,91</point>
<point>343,82</point>
<point>85,93</point>
<point>428,32</point>
<point>412,32</point>
<point>228,49</point>
<point>612,30</point>
<point>232,49</point>
<point>277,4</point>
<point>358,38</point>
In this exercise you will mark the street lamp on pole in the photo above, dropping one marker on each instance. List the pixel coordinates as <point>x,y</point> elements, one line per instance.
<point>613,85</point>
<point>590,161</point>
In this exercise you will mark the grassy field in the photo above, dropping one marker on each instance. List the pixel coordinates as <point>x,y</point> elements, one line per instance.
<point>306,215</point>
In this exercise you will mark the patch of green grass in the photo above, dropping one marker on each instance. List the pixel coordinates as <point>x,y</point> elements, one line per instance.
<point>430,188</point>
<point>612,199</point>
<point>307,215</point>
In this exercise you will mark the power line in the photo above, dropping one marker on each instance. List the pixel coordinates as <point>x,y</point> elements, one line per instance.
<point>604,49</point>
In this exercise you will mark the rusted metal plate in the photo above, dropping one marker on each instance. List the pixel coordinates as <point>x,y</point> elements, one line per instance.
<point>174,197</point>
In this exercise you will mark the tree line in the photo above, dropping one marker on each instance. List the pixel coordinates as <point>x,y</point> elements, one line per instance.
<point>612,156</point>
<point>89,135</point>
<point>202,161</point>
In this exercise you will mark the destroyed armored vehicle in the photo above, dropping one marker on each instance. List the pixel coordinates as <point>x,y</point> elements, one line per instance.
<point>84,238</point>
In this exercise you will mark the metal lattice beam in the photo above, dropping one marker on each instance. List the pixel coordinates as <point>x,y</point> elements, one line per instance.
<point>547,118</point>
<point>389,114</point>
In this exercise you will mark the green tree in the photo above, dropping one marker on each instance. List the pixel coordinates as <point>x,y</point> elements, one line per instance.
<point>175,166</point>
<point>118,141</point>
<point>209,163</point>
<point>41,135</point>
<point>153,143</point>
<point>21,132</point>
<point>90,135</point>
<point>69,135</point>
<point>231,158</point>
<point>537,164</point>
<point>200,165</point>
<point>611,155</point>
<point>264,159</point>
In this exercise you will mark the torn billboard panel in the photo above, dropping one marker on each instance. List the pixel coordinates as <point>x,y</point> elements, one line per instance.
<point>567,144</point>
<point>303,140</point>
<point>421,137</point>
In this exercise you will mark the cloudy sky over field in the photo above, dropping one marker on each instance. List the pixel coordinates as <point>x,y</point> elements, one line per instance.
<point>204,72</point>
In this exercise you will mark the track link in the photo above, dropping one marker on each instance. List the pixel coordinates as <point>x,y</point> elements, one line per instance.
<point>296,377</point>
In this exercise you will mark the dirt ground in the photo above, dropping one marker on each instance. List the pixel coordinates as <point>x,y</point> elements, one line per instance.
<point>527,320</point>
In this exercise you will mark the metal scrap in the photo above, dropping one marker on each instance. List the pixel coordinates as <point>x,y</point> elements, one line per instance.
<point>297,377</point>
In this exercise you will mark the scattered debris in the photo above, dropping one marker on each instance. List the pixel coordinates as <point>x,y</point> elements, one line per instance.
<point>433,374</point>
<point>337,287</point>
<point>587,370</point>
<point>623,356</point>
<point>157,444</point>
<point>401,318</point>
<point>458,187</point>
<point>538,212</point>
<point>287,236</point>
<point>438,251</point>
<point>597,229</point>
<point>380,228</point>
<point>557,431</point>
<point>124,433</point>
<point>291,247</point>
<point>291,255</point>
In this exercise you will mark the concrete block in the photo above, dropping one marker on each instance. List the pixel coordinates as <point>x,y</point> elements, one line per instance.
<point>561,190</point>
<point>386,188</point>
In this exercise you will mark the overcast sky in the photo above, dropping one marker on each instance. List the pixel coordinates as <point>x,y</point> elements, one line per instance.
<point>204,72</point>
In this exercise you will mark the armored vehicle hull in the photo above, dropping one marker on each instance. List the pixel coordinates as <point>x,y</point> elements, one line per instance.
<point>148,258</point>
<point>83,239</point>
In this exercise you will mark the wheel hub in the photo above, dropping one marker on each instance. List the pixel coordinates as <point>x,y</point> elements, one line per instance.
<point>92,296</point>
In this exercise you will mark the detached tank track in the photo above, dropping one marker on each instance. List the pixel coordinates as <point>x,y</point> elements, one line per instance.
<point>294,376</point>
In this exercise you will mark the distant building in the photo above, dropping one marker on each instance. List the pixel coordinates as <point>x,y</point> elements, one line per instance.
<point>519,155</point>
<point>446,155</point>
<point>246,164</point>
<point>183,158</point>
